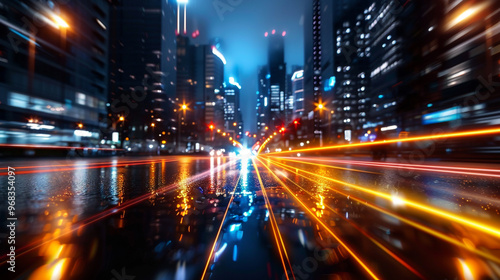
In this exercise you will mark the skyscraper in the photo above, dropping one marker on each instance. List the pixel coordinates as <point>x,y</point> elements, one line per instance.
<point>316,67</point>
<point>53,72</point>
<point>232,111</point>
<point>208,79</point>
<point>143,70</point>
<point>263,101</point>
<point>277,79</point>
<point>350,85</point>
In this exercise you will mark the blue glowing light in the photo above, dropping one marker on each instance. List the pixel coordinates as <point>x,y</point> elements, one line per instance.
<point>217,53</point>
<point>330,84</point>
<point>447,115</point>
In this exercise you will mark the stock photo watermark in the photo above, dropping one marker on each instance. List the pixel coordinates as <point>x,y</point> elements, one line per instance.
<point>224,6</point>
<point>11,218</point>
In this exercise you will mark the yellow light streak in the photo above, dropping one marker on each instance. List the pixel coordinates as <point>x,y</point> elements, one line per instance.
<point>312,214</point>
<point>424,208</point>
<point>410,139</point>
<point>330,166</point>
<point>220,228</point>
<point>410,222</point>
<point>366,234</point>
<point>274,225</point>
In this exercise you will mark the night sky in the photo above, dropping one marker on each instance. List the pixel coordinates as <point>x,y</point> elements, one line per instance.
<point>241,29</point>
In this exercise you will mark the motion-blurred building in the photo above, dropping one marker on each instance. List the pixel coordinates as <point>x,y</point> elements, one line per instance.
<point>263,103</point>
<point>142,72</point>
<point>53,71</point>
<point>277,78</point>
<point>233,122</point>
<point>200,80</point>
<point>347,112</point>
<point>457,54</point>
<point>387,57</point>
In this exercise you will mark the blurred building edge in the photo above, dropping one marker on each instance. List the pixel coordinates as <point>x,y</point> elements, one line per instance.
<point>200,84</point>
<point>53,72</point>
<point>410,66</point>
<point>142,81</point>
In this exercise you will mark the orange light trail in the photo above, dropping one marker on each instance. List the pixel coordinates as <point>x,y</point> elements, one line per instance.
<point>410,139</point>
<point>330,166</point>
<point>218,232</point>
<point>274,226</point>
<point>99,216</point>
<point>431,168</point>
<point>348,249</point>
<point>409,222</point>
<point>366,234</point>
<point>424,208</point>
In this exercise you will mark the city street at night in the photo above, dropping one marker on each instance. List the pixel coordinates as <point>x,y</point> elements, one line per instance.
<point>273,217</point>
<point>249,140</point>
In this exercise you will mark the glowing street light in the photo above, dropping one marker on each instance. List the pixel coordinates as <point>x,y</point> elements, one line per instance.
<point>184,107</point>
<point>122,118</point>
<point>80,125</point>
<point>152,124</point>
<point>320,106</point>
<point>466,14</point>
<point>60,23</point>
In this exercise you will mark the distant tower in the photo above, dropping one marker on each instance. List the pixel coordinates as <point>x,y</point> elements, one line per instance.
<point>277,79</point>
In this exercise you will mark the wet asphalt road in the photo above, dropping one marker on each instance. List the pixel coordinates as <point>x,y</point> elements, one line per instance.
<point>252,218</point>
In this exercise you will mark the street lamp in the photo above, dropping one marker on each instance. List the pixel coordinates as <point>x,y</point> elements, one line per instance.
<point>320,107</point>
<point>183,109</point>
<point>60,23</point>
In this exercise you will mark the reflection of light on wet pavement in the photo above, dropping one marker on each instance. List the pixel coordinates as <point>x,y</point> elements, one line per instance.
<point>180,272</point>
<point>466,270</point>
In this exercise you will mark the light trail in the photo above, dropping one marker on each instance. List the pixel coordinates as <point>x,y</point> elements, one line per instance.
<point>274,226</point>
<point>40,242</point>
<point>220,228</point>
<point>410,139</point>
<point>340,241</point>
<point>413,204</point>
<point>85,167</point>
<point>328,166</point>
<point>481,198</point>
<point>408,221</point>
<point>430,168</point>
<point>366,234</point>
<point>77,164</point>
<point>28,146</point>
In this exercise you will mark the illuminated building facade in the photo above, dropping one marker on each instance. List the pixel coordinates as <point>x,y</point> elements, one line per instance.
<point>208,73</point>
<point>53,72</point>
<point>263,101</point>
<point>458,55</point>
<point>348,110</point>
<point>143,71</point>
<point>277,79</point>
<point>232,113</point>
